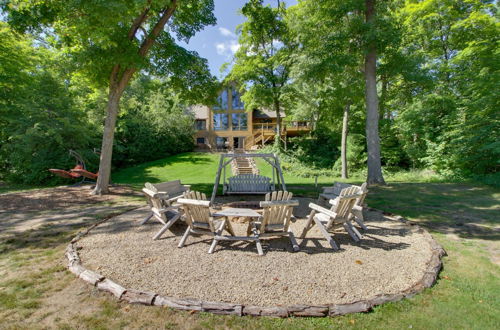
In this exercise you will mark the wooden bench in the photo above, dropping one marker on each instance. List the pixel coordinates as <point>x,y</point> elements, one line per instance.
<point>248,184</point>
<point>161,197</point>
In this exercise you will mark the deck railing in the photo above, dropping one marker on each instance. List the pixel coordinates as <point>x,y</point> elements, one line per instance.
<point>289,125</point>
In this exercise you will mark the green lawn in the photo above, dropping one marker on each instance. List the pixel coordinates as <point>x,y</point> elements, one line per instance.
<point>462,217</point>
<point>199,170</point>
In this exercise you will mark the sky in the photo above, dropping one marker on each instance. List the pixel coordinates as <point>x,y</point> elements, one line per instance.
<point>218,43</point>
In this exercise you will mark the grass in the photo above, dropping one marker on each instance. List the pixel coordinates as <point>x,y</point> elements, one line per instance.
<point>199,170</point>
<point>36,291</point>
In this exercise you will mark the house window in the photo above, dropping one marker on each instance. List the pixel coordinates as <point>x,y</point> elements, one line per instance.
<point>222,101</point>
<point>221,142</point>
<point>200,140</point>
<point>239,121</point>
<point>220,121</point>
<point>200,124</point>
<point>236,102</point>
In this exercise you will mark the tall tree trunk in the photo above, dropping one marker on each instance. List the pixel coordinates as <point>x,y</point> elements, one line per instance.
<point>112,109</point>
<point>277,137</point>
<point>119,79</point>
<point>343,147</point>
<point>372,117</point>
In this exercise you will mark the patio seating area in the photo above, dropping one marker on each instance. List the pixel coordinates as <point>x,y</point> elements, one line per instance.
<point>234,253</point>
<point>244,248</point>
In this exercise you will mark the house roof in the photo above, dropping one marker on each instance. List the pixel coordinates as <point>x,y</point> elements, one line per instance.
<point>266,113</point>
<point>200,111</point>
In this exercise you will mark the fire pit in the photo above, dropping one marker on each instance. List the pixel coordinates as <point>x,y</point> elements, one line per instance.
<point>254,205</point>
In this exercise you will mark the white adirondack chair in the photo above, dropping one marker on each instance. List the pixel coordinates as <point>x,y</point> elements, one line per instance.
<point>162,202</point>
<point>331,193</point>
<point>339,214</point>
<point>276,218</point>
<point>200,221</point>
<point>165,194</point>
<point>272,196</point>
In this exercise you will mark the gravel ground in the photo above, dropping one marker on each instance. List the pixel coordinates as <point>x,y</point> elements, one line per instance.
<point>390,258</point>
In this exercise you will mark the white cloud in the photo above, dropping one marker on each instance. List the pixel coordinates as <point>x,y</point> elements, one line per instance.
<point>220,47</point>
<point>226,32</point>
<point>227,48</point>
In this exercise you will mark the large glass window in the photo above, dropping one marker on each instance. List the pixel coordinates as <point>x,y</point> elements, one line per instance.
<point>239,121</point>
<point>237,103</point>
<point>200,124</point>
<point>220,121</point>
<point>222,101</point>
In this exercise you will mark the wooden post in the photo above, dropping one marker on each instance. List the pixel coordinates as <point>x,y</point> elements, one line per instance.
<point>274,170</point>
<point>280,172</point>
<point>224,175</point>
<point>217,178</point>
<point>262,134</point>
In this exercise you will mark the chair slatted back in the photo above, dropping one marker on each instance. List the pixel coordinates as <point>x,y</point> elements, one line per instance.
<point>363,190</point>
<point>197,213</point>
<point>339,186</point>
<point>192,194</point>
<point>344,204</point>
<point>277,214</point>
<point>279,196</point>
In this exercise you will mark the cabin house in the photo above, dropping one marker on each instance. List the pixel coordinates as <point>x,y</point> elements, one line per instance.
<point>228,125</point>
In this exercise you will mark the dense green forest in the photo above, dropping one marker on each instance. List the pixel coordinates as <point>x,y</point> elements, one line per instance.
<point>48,109</point>
<point>436,100</point>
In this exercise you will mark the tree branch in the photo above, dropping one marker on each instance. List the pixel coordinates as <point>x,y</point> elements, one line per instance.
<point>150,39</point>
<point>138,21</point>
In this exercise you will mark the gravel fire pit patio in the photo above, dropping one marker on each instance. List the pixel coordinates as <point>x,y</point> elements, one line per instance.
<point>393,260</point>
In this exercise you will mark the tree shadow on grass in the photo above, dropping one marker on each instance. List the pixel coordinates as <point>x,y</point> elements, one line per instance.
<point>465,210</point>
<point>52,234</point>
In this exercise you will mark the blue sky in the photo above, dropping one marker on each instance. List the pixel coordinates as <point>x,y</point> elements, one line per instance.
<point>218,43</point>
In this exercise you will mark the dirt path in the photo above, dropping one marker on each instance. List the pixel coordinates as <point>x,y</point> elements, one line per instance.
<point>60,207</point>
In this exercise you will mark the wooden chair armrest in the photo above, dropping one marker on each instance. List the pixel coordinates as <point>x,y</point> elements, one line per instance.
<point>174,199</point>
<point>321,209</point>
<point>333,201</point>
<point>152,194</point>
<point>148,192</point>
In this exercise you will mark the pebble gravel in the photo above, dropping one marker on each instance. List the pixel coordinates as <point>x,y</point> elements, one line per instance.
<point>389,259</point>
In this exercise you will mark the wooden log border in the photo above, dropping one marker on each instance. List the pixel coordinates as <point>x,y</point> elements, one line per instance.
<point>133,296</point>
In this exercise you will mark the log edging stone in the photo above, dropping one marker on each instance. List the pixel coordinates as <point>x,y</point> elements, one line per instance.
<point>133,296</point>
